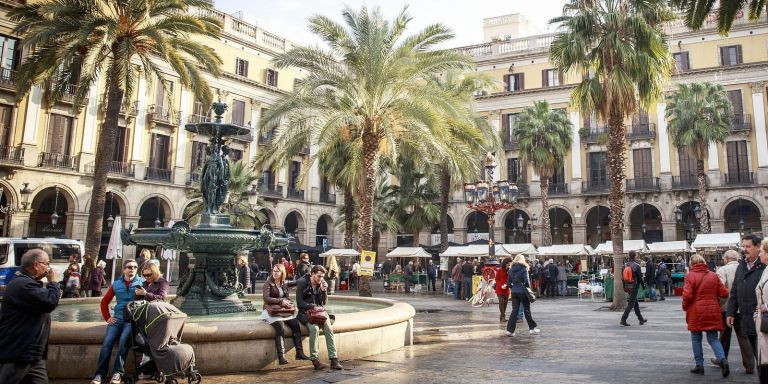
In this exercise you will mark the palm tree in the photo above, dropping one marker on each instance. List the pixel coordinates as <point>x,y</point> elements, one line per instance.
<point>383,219</point>
<point>622,45</point>
<point>371,82</point>
<point>76,41</point>
<point>697,11</point>
<point>697,114</point>
<point>340,163</point>
<point>241,177</point>
<point>544,137</point>
<point>416,195</point>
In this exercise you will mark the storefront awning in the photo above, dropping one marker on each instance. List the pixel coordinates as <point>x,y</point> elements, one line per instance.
<point>629,245</point>
<point>341,252</point>
<point>670,247</point>
<point>717,240</point>
<point>566,250</point>
<point>408,252</point>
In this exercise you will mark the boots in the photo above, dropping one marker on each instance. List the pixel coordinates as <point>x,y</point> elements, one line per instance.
<point>336,365</point>
<point>318,365</point>
<point>299,349</point>
<point>280,350</point>
<point>503,308</point>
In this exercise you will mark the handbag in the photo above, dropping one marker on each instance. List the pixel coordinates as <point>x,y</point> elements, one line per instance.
<point>317,315</point>
<point>530,294</point>
<point>277,310</point>
<point>764,322</point>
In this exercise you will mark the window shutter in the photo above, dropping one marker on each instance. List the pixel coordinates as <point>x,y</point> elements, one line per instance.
<point>276,73</point>
<point>724,56</point>
<point>738,55</point>
<point>686,61</point>
<point>505,125</point>
<point>245,68</point>
<point>51,140</point>
<point>506,82</point>
<point>544,79</point>
<point>561,78</point>
<point>153,151</point>
<point>521,79</point>
<point>743,162</point>
<point>735,97</point>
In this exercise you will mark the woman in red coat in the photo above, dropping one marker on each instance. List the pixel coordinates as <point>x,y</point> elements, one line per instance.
<point>701,303</point>
<point>502,290</point>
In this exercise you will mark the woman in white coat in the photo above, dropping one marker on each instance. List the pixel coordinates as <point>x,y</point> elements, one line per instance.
<point>762,307</point>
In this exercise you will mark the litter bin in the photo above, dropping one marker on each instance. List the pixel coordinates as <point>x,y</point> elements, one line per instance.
<point>608,286</point>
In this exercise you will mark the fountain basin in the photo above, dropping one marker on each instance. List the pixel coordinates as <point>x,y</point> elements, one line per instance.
<point>233,343</point>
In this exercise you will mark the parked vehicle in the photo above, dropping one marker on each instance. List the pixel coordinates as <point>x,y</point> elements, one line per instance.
<point>59,250</point>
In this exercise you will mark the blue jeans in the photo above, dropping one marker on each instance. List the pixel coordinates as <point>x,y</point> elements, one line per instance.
<point>561,289</point>
<point>457,290</point>
<point>467,287</point>
<point>698,352</point>
<point>120,329</point>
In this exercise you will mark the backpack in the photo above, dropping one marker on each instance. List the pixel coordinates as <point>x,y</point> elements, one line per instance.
<point>73,283</point>
<point>628,275</point>
<point>547,275</point>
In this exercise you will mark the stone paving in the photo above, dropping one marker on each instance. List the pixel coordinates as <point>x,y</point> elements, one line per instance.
<point>580,342</point>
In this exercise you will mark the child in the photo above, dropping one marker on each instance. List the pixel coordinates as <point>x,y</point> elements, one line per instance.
<point>72,282</point>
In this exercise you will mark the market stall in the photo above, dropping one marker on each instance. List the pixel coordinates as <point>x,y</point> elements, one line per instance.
<point>673,249</point>
<point>409,253</point>
<point>578,252</point>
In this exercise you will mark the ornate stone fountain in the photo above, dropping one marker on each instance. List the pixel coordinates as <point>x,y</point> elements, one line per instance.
<point>211,287</point>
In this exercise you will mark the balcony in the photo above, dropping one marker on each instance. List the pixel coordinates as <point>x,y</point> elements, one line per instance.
<point>523,190</point>
<point>11,155</point>
<point>685,182</point>
<point>131,110</point>
<point>193,178</point>
<point>56,160</point>
<point>510,144</point>
<point>265,139</point>
<point>640,131</point>
<point>594,135</point>
<point>595,187</point>
<point>558,189</point>
<point>296,194</point>
<point>538,43</point>
<point>739,178</point>
<point>158,174</point>
<point>741,123</point>
<point>272,191</point>
<point>326,197</point>
<point>8,79</point>
<point>641,184</point>
<point>163,115</point>
<point>304,151</point>
<point>196,119</point>
<point>68,96</point>
<point>119,168</point>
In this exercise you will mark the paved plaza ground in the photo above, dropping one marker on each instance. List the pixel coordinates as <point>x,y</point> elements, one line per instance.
<point>580,342</point>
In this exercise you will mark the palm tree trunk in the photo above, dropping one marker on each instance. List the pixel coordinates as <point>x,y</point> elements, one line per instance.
<point>365,220</point>
<point>445,193</point>
<point>104,149</point>
<point>704,222</point>
<point>615,168</point>
<point>546,230</point>
<point>349,211</point>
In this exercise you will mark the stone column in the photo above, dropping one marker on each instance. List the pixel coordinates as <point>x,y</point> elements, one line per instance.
<point>140,131</point>
<point>717,225</point>
<point>19,224</point>
<point>669,228</point>
<point>663,139</point>
<point>179,175</point>
<point>575,154</point>
<point>255,116</point>
<point>760,135</point>
<point>31,126</point>
<point>535,185</point>
<point>579,233</point>
<point>713,163</point>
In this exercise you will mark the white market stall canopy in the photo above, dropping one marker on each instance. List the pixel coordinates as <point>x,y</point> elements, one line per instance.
<point>670,247</point>
<point>629,245</point>
<point>566,250</point>
<point>409,252</point>
<point>340,252</point>
<point>717,240</point>
<point>481,250</point>
<point>516,249</point>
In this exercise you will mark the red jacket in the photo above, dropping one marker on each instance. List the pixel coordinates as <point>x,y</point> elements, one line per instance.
<point>501,279</point>
<point>701,299</point>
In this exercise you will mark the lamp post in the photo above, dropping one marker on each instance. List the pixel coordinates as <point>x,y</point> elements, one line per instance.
<point>25,192</point>
<point>489,197</point>
<point>110,219</point>
<point>158,222</point>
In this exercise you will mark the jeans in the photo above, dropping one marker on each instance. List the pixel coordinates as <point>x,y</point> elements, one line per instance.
<point>520,300</point>
<point>314,334</point>
<point>561,290</point>
<point>457,290</point>
<point>698,352</point>
<point>551,288</point>
<point>467,287</point>
<point>24,373</point>
<point>632,304</point>
<point>121,329</point>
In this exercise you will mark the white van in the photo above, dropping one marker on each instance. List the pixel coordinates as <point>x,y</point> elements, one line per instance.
<point>59,251</point>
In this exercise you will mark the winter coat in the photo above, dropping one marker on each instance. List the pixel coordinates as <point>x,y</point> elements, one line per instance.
<point>650,273</point>
<point>456,273</point>
<point>727,273</point>
<point>302,269</point>
<point>761,292</point>
<point>661,274</point>
<point>308,297</point>
<point>501,279</point>
<point>553,272</point>
<point>25,319</point>
<point>156,291</point>
<point>517,278</point>
<point>562,273</point>
<point>701,299</point>
<point>244,275</point>
<point>271,292</point>
<point>97,279</point>
<point>742,299</point>
<point>637,279</point>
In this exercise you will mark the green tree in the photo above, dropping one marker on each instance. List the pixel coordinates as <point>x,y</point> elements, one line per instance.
<point>697,114</point>
<point>78,41</point>
<point>241,212</point>
<point>383,218</point>
<point>544,137</point>
<point>372,83</point>
<point>622,45</point>
<point>340,162</point>
<point>697,11</point>
<point>416,195</point>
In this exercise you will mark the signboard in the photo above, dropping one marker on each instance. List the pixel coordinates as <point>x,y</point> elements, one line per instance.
<point>472,236</point>
<point>325,244</point>
<point>367,262</point>
<point>443,263</point>
<point>435,238</point>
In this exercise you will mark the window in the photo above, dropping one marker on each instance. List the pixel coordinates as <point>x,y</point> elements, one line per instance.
<point>682,62</point>
<point>241,67</point>
<point>235,155</point>
<point>162,95</point>
<point>514,82</point>
<point>121,147</point>
<point>200,113</point>
<point>730,55</point>
<point>688,169</point>
<point>515,171</point>
<point>641,159</point>
<point>508,122</point>
<point>268,179</point>
<point>271,77</point>
<point>6,111</point>
<point>551,78</point>
<point>738,160</point>
<point>596,168</point>
<point>238,113</point>
<point>160,151</point>
<point>59,135</point>
<point>295,172</point>
<point>199,154</point>
<point>10,55</point>
<point>735,97</point>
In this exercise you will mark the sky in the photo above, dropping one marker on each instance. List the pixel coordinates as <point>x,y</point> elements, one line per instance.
<point>288,18</point>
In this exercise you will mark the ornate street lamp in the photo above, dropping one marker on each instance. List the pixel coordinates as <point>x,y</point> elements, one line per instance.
<point>158,222</point>
<point>520,221</point>
<point>678,214</point>
<point>55,216</point>
<point>25,192</point>
<point>110,219</point>
<point>489,197</point>
<point>8,209</point>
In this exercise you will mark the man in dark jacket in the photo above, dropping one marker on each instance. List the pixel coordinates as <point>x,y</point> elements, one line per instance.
<point>650,278</point>
<point>432,275</point>
<point>303,267</point>
<point>467,270</point>
<point>632,288</point>
<point>25,320</point>
<point>551,272</point>
<point>742,301</point>
<point>311,292</point>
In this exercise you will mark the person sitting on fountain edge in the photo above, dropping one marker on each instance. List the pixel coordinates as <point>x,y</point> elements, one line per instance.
<point>311,291</point>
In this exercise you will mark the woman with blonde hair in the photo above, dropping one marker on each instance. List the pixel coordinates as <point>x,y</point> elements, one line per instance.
<point>144,255</point>
<point>275,296</point>
<point>519,282</point>
<point>155,287</point>
<point>762,308</point>
<point>333,273</point>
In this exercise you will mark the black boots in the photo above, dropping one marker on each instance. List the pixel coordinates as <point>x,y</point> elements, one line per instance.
<point>336,365</point>
<point>318,365</point>
<point>299,349</point>
<point>280,350</point>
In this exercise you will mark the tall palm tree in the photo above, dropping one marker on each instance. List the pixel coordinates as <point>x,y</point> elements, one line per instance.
<point>621,43</point>
<point>341,162</point>
<point>371,81</point>
<point>697,11</point>
<point>544,137</point>
<point>697,114</point>
<point>76,41</point>
<point>383,219</point>
<point>416,195</point>
<point>241,177</point>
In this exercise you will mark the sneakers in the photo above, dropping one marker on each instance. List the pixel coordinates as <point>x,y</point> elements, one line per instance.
<point>96,379</point>
<point>535,331</point>
<point>510,334</point>
<point>116,379</point>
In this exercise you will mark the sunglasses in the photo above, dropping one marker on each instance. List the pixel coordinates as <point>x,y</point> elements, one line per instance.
<point>147,274</point>
<point>131,267</point>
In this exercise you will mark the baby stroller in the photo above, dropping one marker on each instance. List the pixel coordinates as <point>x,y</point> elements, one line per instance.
<point>156,329</point>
